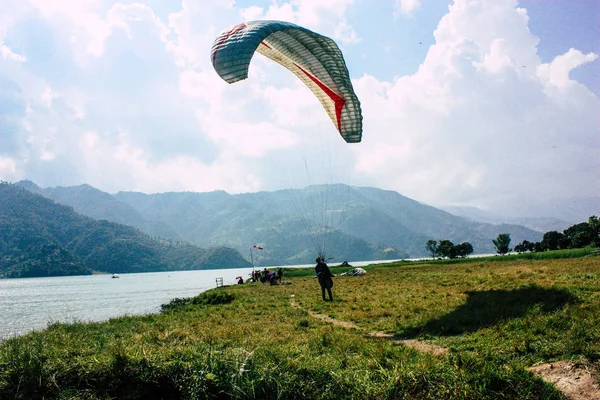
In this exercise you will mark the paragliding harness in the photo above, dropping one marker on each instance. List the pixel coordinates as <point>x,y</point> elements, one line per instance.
<point>323,273</point>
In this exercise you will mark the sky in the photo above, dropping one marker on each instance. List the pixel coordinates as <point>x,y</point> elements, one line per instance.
<point>483,103</point>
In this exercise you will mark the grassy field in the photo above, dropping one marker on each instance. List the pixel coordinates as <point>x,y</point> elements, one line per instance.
<point>497,316</point>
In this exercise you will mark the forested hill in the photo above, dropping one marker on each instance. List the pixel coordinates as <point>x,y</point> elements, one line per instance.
<point>361,223</point>
<point>39,237</point>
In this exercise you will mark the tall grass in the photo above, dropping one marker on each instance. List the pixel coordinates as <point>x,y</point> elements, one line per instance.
<point>247,341</point>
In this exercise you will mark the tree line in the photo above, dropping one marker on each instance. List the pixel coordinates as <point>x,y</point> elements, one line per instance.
<point>447,249</point>
<point>577,236</point>
<point>585,234</point>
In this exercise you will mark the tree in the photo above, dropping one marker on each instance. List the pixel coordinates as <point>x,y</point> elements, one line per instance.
<point>580,235</point>
<point>524,246</point>
<point>552,240</point>
<point>583,234</point>
<point>502,243</point>
<point>594,224</point>
<point>432,247</point>
<point>463,249</point>
<point>447,249</point>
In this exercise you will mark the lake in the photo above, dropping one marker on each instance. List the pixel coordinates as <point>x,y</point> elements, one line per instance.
<point>32,303</point>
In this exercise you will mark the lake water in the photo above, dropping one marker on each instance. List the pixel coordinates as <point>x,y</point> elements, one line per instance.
<point>32,303</point>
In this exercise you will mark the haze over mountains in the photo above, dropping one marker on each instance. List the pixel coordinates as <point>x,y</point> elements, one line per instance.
<point>360,223</point>
<point>542,224</point>
<point>572,209</point>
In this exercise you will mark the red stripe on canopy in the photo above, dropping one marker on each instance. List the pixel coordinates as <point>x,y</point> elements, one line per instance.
<point>337,100</point>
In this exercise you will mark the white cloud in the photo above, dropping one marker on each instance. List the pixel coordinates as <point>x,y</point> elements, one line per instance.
<point>8,169</point>
<point>10,11</point>
<point>407,6</point>
<point>80,20</point>
<point>346,33</point>
<point>122,16</point>
<point>557,72</point>
<point>87,26</point>
<point>202,84</point>
<point>43,144</point>
<point>195,27</point>
<point>48,96</point>
<point>226,116</point>
<point>253,13</point>
<point>326,17</point>
<point>480,121</point>
<point>106,159</point>
<point>246,139</point>
<point>8,54</point>
<point>290,106</point>
<point>76,100</point>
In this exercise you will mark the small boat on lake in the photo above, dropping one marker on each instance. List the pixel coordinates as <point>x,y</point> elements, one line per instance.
<point>115,276</point>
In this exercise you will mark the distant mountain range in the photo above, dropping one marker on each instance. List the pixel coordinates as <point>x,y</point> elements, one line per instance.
<point>540,224</point>
<point>351,223</point>
<point>573,209</point>
<point>39,237</point>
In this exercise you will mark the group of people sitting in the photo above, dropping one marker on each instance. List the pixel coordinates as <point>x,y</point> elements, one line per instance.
<point>274,278</point>
<point>264,276</point>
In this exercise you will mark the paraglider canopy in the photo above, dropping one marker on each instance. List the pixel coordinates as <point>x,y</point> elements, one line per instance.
<point>315,59</point>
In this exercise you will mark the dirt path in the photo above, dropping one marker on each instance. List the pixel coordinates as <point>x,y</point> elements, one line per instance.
<point>577,381</point>
<point>416,344</point>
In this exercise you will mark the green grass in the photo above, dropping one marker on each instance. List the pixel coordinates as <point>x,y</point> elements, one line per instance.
<point>497,316</point>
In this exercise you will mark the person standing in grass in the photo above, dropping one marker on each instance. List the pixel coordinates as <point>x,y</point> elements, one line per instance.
<point>325,277</point>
